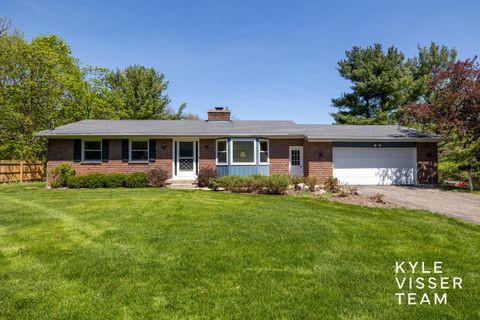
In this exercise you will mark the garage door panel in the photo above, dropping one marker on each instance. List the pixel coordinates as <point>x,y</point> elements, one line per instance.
<point>374,166</point>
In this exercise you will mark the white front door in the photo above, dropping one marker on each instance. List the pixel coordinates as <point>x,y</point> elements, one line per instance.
<point>186,159</point>
<point>296,161</point>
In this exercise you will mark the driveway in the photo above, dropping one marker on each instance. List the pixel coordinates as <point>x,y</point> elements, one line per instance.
<point>450,203</point>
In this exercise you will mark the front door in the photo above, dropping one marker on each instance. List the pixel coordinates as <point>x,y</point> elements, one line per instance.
<point>296,161</point>
<point>186,159</point>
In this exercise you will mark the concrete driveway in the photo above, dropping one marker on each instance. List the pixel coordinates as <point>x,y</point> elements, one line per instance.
<point>450,203</point>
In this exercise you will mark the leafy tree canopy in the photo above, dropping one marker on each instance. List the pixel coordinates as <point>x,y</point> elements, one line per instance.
<point>42,86</point>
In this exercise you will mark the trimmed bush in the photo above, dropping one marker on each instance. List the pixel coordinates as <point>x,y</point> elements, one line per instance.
<point>115,180</point>
<point>204,175</point>
<point>275,184</point>
<point>136,180</point>
<point>60,175</point>
<point>112,180</point>
<point>157,177</point>
<point>75,182</point>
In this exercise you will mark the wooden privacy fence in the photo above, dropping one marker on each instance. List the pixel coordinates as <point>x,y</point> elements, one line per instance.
<point>21,171</point>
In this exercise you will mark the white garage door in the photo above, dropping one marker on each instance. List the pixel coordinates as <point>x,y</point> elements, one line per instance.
<point>375,166</point>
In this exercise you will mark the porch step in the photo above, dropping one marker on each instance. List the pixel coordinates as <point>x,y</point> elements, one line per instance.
<point>181,183</point>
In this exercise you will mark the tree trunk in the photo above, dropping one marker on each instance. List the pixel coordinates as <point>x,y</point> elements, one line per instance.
<point>469,173</point>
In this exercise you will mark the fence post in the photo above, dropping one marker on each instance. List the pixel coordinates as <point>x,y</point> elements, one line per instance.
<point>21,171</point>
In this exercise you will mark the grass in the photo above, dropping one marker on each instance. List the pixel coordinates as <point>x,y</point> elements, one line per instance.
<point>158,253</point>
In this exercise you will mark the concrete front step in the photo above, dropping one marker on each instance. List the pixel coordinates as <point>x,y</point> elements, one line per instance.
<point>182,186</point>
<point>181,183</point>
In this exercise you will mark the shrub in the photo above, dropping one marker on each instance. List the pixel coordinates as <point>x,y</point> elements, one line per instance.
<point>276,184</point>
<point>75,182</point>
<point>204,176</point>
<point>95,180</point>
<point>61,174</point>
<point>112,180</point>
<point>136,180</point>
<point>157,177</point>
<point>332,185</point>
<point>311,182</point>
<point>115,180</point>
<point>213,184</point>
<point>296,181</point>
<point>377,197</point>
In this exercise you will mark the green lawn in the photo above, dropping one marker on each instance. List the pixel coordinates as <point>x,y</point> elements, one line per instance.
<point>158,253</point>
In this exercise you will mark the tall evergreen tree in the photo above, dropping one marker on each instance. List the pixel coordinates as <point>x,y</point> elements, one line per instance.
<point>429,61</point>
<point>380,84</point>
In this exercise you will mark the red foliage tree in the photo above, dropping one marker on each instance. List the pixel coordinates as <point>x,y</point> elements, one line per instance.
<point>454,109</point>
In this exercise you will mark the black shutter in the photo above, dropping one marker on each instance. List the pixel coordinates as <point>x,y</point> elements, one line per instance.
<point>104,150</point>
<point>152,150</point>
<point>77,150</point>
<point>125,150</point>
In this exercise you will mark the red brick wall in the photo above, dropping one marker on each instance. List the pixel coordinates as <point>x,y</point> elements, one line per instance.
<point>318,159</point>
<point>219,115</point>
<point>427,163</point>
<point>61,151</point>
<point>207,153</point>
<point>279,157</point>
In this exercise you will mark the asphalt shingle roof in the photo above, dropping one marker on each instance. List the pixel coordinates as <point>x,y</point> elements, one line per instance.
<point>258,128</point>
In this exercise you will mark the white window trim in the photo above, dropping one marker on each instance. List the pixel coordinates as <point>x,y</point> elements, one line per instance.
<point>226,153</point>
<point>244,163</point>
<point>260,151</point>
<point>83,150</point>
<point>130,150</point>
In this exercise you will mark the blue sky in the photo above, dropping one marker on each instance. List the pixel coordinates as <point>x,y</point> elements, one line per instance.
<point>263,59</point>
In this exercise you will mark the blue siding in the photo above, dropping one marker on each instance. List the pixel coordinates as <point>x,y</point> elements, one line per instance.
<point>242,170</point>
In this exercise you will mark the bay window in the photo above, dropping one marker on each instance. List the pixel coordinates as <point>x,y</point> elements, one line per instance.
<point>263,151</point>
<point>221,151</point>
<point>243,152</point>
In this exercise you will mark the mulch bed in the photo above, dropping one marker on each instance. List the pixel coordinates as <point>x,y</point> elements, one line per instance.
<point>363,201</point>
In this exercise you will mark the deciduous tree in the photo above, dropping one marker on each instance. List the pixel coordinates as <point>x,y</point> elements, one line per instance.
<point>453,107</point>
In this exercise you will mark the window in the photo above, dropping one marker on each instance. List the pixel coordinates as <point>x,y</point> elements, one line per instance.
<point>92,151</point>
<point>221,151</point>
<point>295,157</point>
<point>243,152</point>
<point>139,150</point>
<point>263,151</point>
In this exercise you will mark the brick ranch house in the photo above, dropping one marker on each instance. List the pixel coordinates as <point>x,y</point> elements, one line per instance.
<point>374,154</point>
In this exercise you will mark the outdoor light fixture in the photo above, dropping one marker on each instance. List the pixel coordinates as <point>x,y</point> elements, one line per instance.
<point>164,145</point>
<point>320,154</point>
<point>243,154</point>
<point>377,145</point>
<point>206,146</point>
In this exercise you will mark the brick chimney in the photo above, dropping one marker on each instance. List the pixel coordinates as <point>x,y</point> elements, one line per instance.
<point>219,114</point>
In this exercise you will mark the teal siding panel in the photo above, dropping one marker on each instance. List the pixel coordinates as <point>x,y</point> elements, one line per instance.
<point>242,170</point>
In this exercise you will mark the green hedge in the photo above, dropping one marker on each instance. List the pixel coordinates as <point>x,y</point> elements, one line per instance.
<point>111,180</point>
<point>275,184</point>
